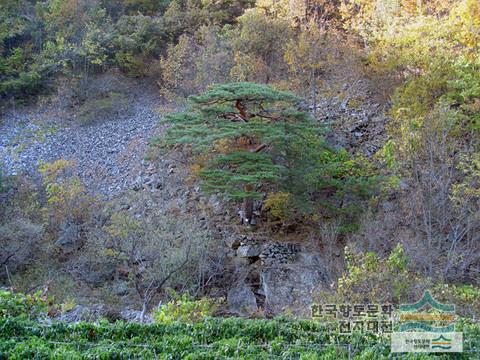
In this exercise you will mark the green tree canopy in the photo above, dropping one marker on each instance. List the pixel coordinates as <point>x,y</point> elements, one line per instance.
<point>250,138</point>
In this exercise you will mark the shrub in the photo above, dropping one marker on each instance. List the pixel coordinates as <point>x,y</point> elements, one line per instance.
<point>26,84</point>
<point>177,69</point>
<point>279,205</point>
<point>259,44</point>
<point>131,65</point>
<point>369,277</point>
<point>19,78</point>
<point>184,308</point>
<point>23,306</point>
<point>111,105</point>
<point>306,56</point>
<point>174,251</point>
<point>19,244</point>
<point>140,35</point>
<point>146,6</point>
<point>465,297</point>
<point>194,63</point>
<point>67,200</point>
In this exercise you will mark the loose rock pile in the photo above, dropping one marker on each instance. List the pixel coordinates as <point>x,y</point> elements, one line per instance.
<point>277,253</point>
<point>108,154</point>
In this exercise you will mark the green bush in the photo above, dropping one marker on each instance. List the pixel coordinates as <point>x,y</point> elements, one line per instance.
<point>465,297</point>
<point>26,84</point>
<point>13,305</point>
<point>130,64</point>
<point>111,105</point>
<point>184,308</point>
<point>368,276</point>
<point>140,35</point>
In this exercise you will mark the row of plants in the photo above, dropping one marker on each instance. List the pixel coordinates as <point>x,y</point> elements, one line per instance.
<point>26,333</point>
<point>213,338</point>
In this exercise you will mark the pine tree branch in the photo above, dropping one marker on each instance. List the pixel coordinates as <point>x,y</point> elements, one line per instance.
<point>241,109</point>
<point>259,148</point>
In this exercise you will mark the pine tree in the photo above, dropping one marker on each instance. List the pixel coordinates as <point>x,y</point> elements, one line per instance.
<point>242,128</point>
<point>255,138</point>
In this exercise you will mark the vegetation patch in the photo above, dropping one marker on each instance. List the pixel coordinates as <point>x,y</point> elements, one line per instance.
<point>110,106</point>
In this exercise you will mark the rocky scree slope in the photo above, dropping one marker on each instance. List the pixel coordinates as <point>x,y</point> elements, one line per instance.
<point>263,274</point>
<point>108,153</point>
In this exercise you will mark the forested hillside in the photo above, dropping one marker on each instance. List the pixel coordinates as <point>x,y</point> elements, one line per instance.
<point>166,161</point>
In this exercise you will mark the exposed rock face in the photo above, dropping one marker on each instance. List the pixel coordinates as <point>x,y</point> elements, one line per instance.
<point>242,301</point>
<point>289,287</point>
<point>278,253</point>
<point>357,120</point>
<point>249,250</point>
<point>277,277</point>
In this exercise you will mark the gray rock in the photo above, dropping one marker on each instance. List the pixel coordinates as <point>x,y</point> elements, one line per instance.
<point>388,206</point>
<point>230,241</point>
<point>96,312</point>
<point>135,316</point>
<point>247,250</point>
<point>70,238</point>
<point>107,154</point>
<point>83,313</point>
<point>121,289</point>
<point>241,300</point>
<point>290,287</point>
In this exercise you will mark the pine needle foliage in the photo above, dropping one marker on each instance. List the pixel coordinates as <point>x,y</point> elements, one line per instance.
<point>257,139</point>
<point>253,123</point>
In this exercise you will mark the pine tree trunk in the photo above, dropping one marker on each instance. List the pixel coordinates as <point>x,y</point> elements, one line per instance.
<point>248,207</point>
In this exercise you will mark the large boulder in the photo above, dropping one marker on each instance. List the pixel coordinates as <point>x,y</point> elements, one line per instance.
<point>289,287</point>
<point>249,250</point>
<point>83,313</point>
<point>96,312</point>
<point>241,300</point>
